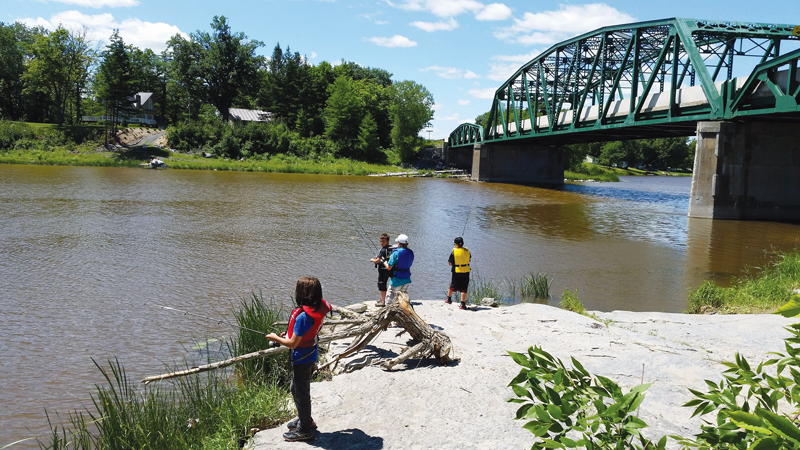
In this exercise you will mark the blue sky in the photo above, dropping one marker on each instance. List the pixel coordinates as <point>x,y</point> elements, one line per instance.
<point>461,50</point>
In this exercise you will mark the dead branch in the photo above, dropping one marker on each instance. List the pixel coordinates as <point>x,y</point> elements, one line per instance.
<point>367,327</point>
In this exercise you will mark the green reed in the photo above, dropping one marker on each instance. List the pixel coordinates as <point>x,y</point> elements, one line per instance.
<point>213,410</point>
<point>480,288</point>
<point>535,285</point>
<point>763,289</point>
<point>254,313</point>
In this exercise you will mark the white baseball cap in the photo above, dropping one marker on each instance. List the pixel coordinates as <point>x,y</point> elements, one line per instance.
<point>402,239</point>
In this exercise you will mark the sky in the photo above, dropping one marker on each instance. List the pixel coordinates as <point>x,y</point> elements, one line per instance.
<point>460,50</point>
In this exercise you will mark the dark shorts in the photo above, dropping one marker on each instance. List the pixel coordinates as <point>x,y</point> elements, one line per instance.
<point>460,282</point>
<point>383,277</point>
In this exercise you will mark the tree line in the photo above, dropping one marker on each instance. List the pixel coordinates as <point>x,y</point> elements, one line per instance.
<point>344,109</point>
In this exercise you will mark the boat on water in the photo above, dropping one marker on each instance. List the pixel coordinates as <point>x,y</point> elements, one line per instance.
<point>155,163</point>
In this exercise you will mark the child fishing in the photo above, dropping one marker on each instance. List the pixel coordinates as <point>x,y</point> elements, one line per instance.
<point>301,336</point>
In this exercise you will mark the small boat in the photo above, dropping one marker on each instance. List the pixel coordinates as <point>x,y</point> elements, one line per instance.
<point>155,163</point>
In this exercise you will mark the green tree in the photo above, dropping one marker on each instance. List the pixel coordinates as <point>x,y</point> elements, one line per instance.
<point>115,84</point>
<point>11,69</point>
<point>59,67</point>
<point>219,67</point>
<point>343,115</point>
<point>483,119</point>
<point>368,139</point>
<point>410,110</point>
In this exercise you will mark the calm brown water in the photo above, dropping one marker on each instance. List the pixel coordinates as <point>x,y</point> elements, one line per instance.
<point>85,253</point>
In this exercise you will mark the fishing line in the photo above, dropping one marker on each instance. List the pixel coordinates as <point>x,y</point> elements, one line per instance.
<point>471,199</point>
<point>208,318</point>
<point>364,232</point>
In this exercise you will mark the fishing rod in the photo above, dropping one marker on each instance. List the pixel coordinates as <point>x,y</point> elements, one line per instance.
<point>364,232</point>
<point>208,318</point>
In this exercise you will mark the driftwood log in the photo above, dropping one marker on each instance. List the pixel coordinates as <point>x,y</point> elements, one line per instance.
<point>364,327</point>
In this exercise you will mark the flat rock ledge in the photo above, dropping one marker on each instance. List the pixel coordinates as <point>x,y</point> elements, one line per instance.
<point>421,405</point>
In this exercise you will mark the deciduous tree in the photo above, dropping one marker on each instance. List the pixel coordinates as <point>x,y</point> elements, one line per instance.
<point>410,110</point>
<point>217,67</point>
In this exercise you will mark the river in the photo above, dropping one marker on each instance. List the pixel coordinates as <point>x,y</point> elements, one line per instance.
<point>87,253</point>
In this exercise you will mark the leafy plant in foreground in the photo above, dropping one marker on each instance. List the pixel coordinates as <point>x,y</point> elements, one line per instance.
<point>752,405</point>
<point>570,408</point>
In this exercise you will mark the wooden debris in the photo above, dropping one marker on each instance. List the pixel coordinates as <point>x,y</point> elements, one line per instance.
<point>365,327</point>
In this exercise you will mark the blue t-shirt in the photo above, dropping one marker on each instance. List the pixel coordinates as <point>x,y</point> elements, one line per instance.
<point>302,355</point>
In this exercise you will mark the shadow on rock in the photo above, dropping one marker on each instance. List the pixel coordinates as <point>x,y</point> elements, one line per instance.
<point>353,439</point>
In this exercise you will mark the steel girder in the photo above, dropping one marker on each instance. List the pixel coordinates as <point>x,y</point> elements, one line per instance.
<point>646,79</point>
<point>466,134</point>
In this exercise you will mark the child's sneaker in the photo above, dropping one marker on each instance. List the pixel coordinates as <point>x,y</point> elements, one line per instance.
<point>463,306</point>
<point>298,435</point>
<point>448,301</point>
<point>292,425</point>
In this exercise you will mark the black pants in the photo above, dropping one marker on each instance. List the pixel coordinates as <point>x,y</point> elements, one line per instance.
<point>301,392</point>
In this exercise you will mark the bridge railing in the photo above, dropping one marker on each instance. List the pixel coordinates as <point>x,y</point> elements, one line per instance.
<point>651,77</point>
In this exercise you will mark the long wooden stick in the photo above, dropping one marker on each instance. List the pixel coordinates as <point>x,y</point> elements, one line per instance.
<point>355,331</point>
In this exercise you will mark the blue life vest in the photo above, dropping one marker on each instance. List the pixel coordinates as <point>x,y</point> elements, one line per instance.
<point>405,257</point>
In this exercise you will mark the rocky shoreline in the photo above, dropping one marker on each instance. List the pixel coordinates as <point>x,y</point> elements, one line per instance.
<point>421,405</point>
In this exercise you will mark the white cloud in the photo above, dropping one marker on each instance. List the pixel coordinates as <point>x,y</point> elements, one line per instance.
<point>495,11</point>
<point>440,8</point>
<point>100,27</point>
<point>550,27</point>
<point>464,102</point>
<point>436,26</point>
<point>454,118</point>
<point>451,73</point>
<point>100,3</point>
<point>485,93</point>
<point>313,54</point>
<point>394,41</point>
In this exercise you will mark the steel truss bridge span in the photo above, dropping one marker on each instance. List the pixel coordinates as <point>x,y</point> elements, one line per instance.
<point>647,79</point>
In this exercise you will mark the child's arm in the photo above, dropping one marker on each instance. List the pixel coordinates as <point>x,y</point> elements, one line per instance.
<point>291,343</point>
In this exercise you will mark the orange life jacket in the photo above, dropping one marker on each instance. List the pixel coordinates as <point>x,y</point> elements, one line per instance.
<point>318,315</point>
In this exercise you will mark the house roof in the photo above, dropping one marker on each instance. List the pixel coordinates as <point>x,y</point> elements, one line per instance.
<point>250,115</point>
<point>144,97</point>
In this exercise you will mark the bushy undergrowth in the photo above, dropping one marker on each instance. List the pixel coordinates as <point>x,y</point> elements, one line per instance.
<point>762,290</point>
<point>253,139</point>
<point>586,171</point>
<point>213,410</point>
<point>42,137</point>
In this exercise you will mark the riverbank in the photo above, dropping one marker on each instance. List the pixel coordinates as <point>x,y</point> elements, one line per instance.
<point>464,405</point>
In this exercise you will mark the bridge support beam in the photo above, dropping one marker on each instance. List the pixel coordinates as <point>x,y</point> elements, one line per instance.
<point>517,163</point>
<point>746,171</point>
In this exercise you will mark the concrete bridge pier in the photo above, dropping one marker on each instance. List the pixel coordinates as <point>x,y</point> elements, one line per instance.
<point>518,163</point>
<point>746,171</point>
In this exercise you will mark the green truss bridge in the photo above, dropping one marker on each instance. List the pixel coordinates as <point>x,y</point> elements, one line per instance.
<point>734,85</point>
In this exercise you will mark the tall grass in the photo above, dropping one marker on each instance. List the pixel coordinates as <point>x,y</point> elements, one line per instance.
<point>762,290</point>
<point>214,410</point>
<point>256,314</point>
<point>535,285</point>
<point>480,288</point>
